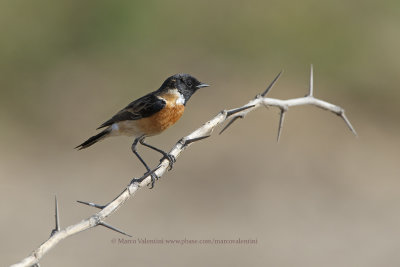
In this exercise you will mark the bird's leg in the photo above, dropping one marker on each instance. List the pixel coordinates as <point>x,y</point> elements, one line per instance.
<point>169,157</point>
<point>154,177</point>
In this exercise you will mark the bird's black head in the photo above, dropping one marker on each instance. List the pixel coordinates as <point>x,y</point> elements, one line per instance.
<point>186,84</point>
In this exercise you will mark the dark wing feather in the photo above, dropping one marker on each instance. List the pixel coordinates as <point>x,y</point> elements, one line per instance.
<point>140,108</point>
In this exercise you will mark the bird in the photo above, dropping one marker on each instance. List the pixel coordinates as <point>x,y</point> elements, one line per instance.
<point>150,115</point>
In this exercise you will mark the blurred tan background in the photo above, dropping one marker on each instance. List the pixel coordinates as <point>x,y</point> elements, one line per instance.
<point>321,197</point>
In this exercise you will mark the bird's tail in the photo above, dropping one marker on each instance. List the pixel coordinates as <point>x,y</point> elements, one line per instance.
<point>94,139</point>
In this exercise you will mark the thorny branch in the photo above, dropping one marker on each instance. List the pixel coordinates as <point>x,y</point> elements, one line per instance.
<point>201,133</point>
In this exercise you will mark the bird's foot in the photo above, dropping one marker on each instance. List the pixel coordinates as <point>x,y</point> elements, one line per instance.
<point>154,178</point>
<point>170,158</point>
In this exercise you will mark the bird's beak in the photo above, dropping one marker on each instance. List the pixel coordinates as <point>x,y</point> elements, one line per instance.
<point>202,85</point>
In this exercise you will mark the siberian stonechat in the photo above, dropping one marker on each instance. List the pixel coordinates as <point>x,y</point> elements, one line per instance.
<point>150,115</point>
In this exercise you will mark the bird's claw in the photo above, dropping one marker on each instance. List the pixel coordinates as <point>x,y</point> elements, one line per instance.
<point>171,159</point>
<point>154,178</point>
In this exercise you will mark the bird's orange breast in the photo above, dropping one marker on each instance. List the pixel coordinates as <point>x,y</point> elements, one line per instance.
<point>163,119</point>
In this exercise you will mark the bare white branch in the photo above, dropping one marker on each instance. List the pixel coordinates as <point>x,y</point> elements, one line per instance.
<point>202,132</point>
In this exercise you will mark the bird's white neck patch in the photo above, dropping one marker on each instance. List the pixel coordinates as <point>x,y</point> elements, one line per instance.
<point>181,99</point>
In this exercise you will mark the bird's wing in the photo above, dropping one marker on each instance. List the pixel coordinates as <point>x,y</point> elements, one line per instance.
<point>140,108</point>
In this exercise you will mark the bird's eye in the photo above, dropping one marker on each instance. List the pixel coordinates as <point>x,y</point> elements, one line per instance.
<point>189,83</point>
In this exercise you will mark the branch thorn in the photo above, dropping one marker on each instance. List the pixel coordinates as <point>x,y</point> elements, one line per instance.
<point>236,110</point>
<point>189,141</point>
<point>230,123</point>
<point>57,219</point>
<point>311,92</point>
<point>94,205</point>
<point>271,84</point>
<point>281,119</point>
<point>346,120</point>
<point>113,228</point>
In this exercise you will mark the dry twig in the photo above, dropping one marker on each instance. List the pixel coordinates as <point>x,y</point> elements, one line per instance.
<point>201,133</point>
